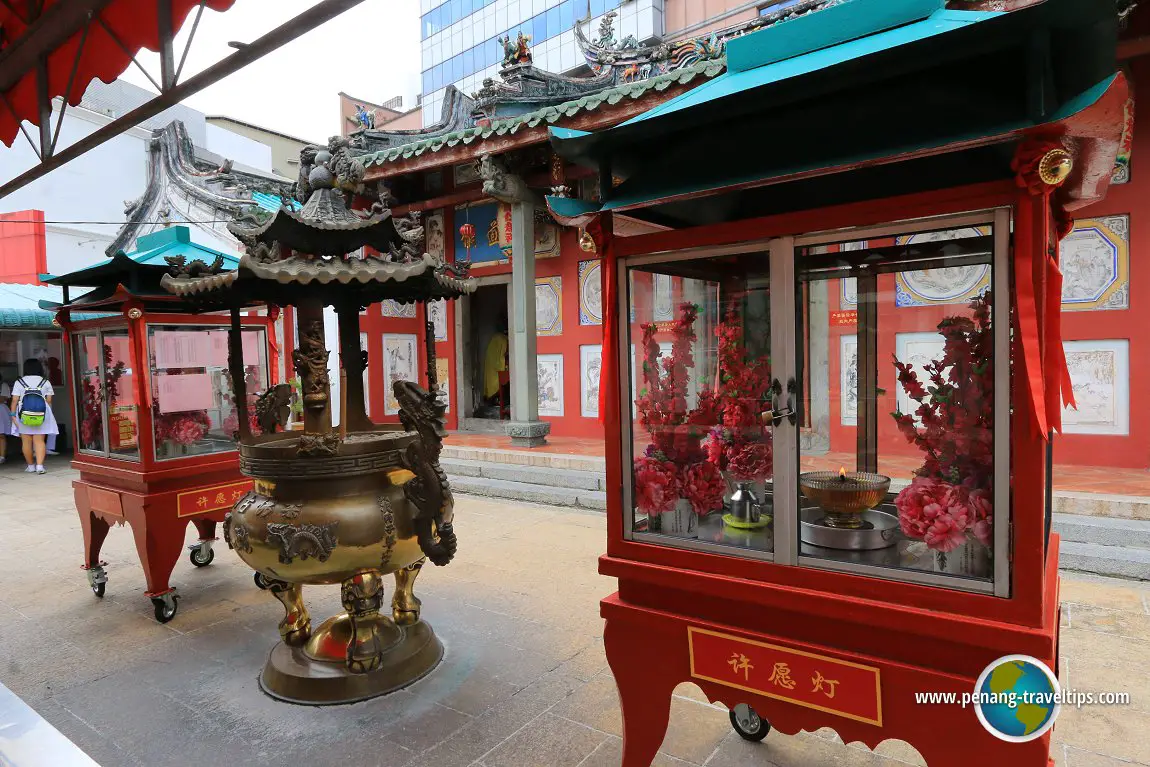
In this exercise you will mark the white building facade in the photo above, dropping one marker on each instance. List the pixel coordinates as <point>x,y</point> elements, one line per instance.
<point>87,201</point>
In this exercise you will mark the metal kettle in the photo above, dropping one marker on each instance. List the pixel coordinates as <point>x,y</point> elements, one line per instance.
<point>745,507</point>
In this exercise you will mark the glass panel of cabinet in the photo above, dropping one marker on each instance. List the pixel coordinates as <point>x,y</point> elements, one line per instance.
<point>191,411</point>
<point>827,402</point>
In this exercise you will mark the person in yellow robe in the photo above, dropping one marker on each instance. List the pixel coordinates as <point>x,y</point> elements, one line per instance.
<point>494,363</point>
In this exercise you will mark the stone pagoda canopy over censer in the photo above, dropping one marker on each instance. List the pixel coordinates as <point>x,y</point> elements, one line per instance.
<point>346,504</point>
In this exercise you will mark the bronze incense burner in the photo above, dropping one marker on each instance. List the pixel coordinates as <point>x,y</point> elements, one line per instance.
<point>343,505</point>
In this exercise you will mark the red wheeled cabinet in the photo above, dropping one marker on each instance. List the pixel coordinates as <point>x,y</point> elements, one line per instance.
<point>881,302</point>
<point>155,420</point>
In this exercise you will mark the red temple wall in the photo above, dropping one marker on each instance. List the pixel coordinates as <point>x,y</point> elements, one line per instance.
<point>1131,450</point>
<point>23,249</point>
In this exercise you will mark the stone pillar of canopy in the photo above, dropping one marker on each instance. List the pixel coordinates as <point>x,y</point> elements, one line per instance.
<point>525,429</point>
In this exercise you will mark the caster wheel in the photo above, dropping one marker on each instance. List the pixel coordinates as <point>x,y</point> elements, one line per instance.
<point>97,579</point>
<point>165,607</point>
<point>748,723</point>
<point>201,557</point>
<point>262,583</point>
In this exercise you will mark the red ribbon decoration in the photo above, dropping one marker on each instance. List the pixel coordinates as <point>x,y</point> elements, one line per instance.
<point>608,272</point>
<point>1047,374</point>
<point>1057,371</point>
<point>1030,361</point>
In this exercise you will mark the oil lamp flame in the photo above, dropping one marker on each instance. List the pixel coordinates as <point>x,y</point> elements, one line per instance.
<point>842,474</point>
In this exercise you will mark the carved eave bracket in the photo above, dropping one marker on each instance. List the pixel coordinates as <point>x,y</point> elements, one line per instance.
<point>504,186</point>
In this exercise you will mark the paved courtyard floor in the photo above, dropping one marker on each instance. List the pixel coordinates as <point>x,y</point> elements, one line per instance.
<point>524,684</point>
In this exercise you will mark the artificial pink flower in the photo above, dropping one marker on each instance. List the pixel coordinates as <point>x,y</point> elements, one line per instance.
<point>983,531</point>
<point>656,485</point>
<point>918,504</point>
<point>945,533</point>
<point>703,486</point>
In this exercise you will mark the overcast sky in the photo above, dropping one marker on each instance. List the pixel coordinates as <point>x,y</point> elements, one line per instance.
<point>370,52</point>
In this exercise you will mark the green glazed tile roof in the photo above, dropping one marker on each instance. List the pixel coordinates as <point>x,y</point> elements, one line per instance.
<point>552,114</point>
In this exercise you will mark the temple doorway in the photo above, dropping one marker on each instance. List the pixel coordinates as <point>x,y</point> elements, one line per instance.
<point>485,357</point>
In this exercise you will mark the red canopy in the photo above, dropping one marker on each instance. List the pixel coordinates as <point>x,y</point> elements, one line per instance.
<point>56,33</point>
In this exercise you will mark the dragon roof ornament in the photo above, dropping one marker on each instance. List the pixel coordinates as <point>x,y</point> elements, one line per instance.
<point>628,61</point>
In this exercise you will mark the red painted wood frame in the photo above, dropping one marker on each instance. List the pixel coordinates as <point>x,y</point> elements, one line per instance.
<point>146,493</point>
<point>922,638</point>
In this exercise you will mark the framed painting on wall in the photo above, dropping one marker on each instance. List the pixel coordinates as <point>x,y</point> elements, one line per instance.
<point>947,285</point>
<point>436,235</point>
<point>849,380</point>
<point>590,368</point>
<point>1095,263</point>
<point>550,371</point>
<point>590,293</point>
<point>389,307</point>
<point>848,286</point>
<point>443,378</point>
<point>663,305</point>
<point>917,350</point>
<point>467,173</point>
<point>1100,377</point>
<point>549,306</point>
<point>366,377</point>
<point>437,313</point>
<point>400,363</point>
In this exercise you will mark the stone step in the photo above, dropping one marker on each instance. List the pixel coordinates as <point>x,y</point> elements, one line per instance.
<point>483,425</point>
<point>535,475</point>
<point>1116,561</point>
<point>1101,505</point>
<point>535,457</point>
<point>1104,531</point>
<point>523,491</point>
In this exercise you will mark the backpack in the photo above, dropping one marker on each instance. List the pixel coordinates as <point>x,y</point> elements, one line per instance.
<point>33,407</point>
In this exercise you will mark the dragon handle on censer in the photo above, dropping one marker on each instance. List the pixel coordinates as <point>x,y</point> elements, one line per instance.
<point>351,504</point>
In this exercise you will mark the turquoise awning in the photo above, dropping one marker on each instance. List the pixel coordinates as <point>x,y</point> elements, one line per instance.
<point>819,41</point>
<point>152,250</point>
<point>854,84</point>
<point>20,307</point>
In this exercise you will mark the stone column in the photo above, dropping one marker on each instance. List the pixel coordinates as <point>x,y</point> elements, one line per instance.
<point>818,438</point>
<point>525,429</point>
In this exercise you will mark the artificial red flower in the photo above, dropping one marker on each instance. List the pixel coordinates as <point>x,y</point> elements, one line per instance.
<point>751,461</point>
<point>953,425</point>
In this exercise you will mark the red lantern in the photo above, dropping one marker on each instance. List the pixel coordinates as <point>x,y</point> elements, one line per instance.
<point>467,235</point>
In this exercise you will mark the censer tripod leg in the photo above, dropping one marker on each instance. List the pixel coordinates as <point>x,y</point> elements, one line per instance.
<point>405,605</point>
<point>362,596</point>
<point>295,628</point>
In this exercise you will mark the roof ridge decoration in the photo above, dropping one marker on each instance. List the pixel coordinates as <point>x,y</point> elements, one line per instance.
<point>528,95</point>
<point>627,61</point>
<point>174,174</point>
<point>548,114</point>
<point>455,116</point>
